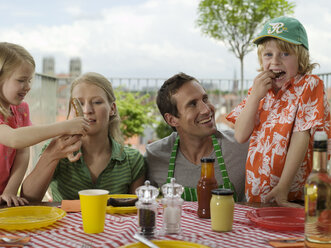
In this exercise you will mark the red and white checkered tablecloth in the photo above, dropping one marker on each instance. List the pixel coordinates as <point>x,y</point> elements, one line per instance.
<point>119,230</point>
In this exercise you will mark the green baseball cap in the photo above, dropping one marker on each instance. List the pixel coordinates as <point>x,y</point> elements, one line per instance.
<point>284,28</point>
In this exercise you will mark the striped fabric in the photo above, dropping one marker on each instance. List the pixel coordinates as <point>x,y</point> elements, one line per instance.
<point>120,228</point>
<point>226,180</point>
<point>125,166</point>
<point>171,169</point>
<point>190,194</point>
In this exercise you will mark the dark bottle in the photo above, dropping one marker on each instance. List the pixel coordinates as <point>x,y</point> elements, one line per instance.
<point>318,197</point>
<point>206,184</point>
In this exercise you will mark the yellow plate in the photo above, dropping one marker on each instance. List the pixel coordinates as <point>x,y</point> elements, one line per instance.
<point>121,210</point>
<point>167,244</point>
<point>29,217</point>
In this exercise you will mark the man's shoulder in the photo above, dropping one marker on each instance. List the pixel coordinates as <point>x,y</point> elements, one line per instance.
<point>163,144</point>
<point>227,141</point>
<point>225,135</point>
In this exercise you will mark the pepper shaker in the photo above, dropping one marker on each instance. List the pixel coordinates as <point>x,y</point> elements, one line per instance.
<point>172,207</point>
<point>147,209</point>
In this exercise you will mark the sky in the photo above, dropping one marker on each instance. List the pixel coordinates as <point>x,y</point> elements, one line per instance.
<point>142,38</point>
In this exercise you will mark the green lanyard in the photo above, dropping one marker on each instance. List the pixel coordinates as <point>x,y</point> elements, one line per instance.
<point>190,194</point>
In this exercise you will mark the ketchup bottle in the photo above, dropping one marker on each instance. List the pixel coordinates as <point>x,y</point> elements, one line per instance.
<point>206,184</point>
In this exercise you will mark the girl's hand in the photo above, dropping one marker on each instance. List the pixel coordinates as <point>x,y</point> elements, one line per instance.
<point>262,83</point>
<point>280,196</point>
<point>77,125</point>
<point>11,198</point>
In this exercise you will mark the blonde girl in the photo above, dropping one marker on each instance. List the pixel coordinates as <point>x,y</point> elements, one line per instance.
<point>16,133</point>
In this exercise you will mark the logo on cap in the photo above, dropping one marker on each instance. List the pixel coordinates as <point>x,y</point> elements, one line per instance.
<point>277,27</point>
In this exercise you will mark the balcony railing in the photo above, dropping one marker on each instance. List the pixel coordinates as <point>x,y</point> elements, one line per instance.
<point>228,85</point>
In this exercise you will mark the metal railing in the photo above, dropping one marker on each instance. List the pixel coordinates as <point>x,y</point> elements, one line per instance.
<point>153,84</point>
<point>326,77</point>
<point>226,85</point>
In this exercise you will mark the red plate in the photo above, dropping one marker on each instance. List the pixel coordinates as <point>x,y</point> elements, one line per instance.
<point>278,218</point>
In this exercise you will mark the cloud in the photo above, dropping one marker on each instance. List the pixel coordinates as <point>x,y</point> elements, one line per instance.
<point>152,38</point>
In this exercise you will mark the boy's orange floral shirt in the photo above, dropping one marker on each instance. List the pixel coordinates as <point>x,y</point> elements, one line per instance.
<point>301,104</point>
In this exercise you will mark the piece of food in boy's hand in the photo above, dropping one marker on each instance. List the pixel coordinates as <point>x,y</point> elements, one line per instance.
<point>121,202</point>
<point>77,106</point>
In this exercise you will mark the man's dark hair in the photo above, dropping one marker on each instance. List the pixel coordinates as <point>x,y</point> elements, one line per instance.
<point>164,100</point>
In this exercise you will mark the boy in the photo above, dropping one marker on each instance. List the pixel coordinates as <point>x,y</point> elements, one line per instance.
<point>284,107</point>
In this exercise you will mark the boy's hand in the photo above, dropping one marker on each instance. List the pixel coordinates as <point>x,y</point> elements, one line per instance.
<point>262,83</point>
<point>280,196</point>
<point>11,198</point>
<point>77,125</point>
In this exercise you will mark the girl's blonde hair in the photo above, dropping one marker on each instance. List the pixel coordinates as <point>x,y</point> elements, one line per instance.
<point>305,66</point>
<point>103,83</point>
<point>11,57</point>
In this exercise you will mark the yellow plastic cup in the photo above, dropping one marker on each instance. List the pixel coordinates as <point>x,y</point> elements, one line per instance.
<point>93,203</point>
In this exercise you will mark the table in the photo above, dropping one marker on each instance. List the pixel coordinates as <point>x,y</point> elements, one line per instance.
<point>119,230</point>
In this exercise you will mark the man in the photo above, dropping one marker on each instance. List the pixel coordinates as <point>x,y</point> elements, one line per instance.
<point>185,106</point>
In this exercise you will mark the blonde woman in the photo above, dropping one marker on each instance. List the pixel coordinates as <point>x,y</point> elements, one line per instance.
<point>102,161</point>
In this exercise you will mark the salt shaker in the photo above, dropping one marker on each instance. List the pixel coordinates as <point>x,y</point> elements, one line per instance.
<point>172,207</point>
<point>147,209</point>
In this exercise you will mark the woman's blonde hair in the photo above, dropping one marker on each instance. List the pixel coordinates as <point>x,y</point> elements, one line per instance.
<point>11,57</point>
<point>305,66</point>
<point>103,83</point>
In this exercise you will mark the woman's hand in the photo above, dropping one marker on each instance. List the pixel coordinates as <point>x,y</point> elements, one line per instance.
<point>11,198</point>
<point>64,146</point>
<point>37,182</point>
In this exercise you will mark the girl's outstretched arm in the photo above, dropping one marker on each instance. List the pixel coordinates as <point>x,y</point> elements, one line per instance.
<point>27,136</point>
<point>295,156</point>
<point>36,183</point>
<point>17,173</point>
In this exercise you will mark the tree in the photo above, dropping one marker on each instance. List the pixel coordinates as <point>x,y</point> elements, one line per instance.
<point>135,111</point>
<point>236,22</point>
<point>163,129</point>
